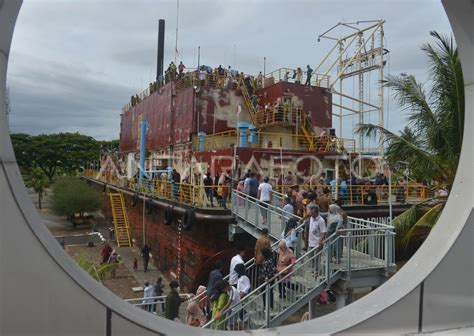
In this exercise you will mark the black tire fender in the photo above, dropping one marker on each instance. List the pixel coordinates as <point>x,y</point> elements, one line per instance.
<point>188,220</point>
<point>149,206</point>
<point>134,199</point>
<point>168,215</point>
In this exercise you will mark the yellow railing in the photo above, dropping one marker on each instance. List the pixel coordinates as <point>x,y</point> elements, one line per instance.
<point>120,219</point>
<point>369,194</point>
<point>286,75</point>
<point>323,144</point>
<point>193,77</point>
<point>186,193</point>
<point>250,106</point>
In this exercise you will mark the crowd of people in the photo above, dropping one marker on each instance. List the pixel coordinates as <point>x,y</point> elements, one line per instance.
<point>218,77</point>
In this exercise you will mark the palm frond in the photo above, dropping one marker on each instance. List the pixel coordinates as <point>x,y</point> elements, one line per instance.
<point>98,272</point>
<point>447,90</point>
<point>407,148</point>
<point>421,228</point>
<point>405,221</point>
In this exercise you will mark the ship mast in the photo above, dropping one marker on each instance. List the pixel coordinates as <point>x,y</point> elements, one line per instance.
<point>358,51</point>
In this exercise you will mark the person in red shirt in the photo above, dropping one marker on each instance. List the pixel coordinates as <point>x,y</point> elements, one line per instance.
<point>106,252</point>
<point>181,68</point>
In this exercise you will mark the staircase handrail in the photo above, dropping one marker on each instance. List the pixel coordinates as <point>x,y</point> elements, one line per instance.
<point>277,278</point>
<point>248,102</point>
<point>362,233</point>
<point>251,262</point>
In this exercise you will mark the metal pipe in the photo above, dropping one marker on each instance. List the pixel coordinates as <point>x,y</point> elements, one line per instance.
<point>160,50</point>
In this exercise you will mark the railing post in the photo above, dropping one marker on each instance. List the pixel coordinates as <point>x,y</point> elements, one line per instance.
<point>349,253</point>
<point>257,210</point>
<point>246,207</point>
<point>328,261</point>
<point>387,249</point>
<point>267,305</point>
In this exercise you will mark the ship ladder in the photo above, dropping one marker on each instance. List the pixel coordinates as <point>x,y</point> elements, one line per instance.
<point>308,132</point>
<point>119,215</point>
<point>248,103</point>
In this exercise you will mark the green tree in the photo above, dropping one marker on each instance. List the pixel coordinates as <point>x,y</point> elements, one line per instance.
<point>37,180</point>
<point>22,145</point>
<point>431,143</point>
<point>72,196</point>
<point>61,153</point>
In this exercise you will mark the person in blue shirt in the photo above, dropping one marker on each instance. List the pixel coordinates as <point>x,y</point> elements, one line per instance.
<point>253,186</point>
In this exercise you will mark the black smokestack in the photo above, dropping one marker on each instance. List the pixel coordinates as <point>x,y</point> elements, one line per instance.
<point>161,49</point>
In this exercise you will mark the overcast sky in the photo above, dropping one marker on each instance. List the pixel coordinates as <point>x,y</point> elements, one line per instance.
<point>74,64</point>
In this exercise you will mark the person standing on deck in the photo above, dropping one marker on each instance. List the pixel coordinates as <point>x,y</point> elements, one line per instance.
<point>298,76</point>
<point>237,259</point>
<point>264,195</point>
<point>208,188</point>
<point>181,68</point>
<point>260,80</point>
<point>146,257</point>
<point>309,73</point>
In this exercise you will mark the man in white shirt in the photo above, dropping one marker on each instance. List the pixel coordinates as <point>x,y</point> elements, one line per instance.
<point>317,228</point>
<point>264,195</point>
<point>317,231</point>
<point>237,259</point>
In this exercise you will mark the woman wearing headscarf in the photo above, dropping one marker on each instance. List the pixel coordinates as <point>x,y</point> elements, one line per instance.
<point>220,304</point>
<point>335,223</point>
<point>194,311</point>
<point>286,258</point>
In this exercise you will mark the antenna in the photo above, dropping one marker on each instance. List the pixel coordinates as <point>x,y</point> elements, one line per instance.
<point>177,22</point>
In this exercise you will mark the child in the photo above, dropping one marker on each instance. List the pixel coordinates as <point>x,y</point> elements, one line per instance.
<point>135,263</point>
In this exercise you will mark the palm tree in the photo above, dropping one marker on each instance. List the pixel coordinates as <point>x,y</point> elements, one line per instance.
<point>431,143</point>
<point>36,179</point>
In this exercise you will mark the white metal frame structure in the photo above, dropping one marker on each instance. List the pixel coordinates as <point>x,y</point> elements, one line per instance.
<point>43,292</point>
<point>357,52</point>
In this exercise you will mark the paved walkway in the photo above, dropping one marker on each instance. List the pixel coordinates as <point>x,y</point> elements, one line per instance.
<point>62,226</point>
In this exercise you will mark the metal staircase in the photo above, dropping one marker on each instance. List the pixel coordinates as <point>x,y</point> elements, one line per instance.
<point>363,247</point>
<point>307,131</point>
<point>119,215</point>
<point>248,102</point>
